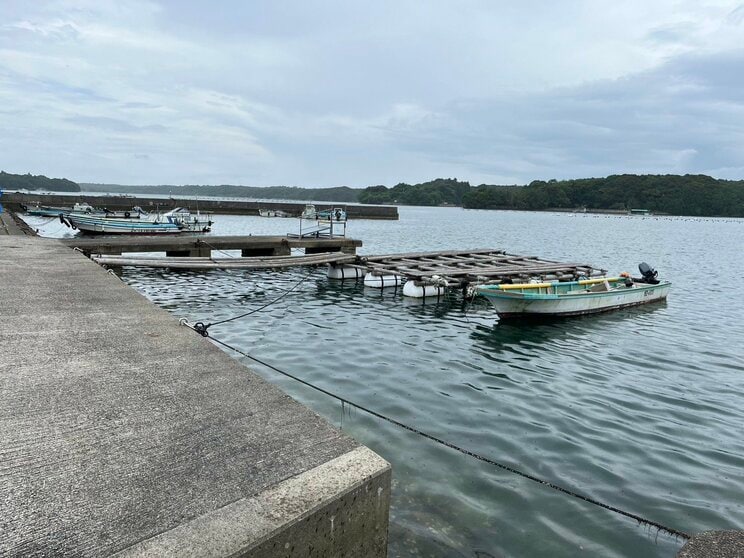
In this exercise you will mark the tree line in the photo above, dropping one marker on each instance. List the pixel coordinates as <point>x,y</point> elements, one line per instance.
<point>30,182</point>
<point>691,194</point>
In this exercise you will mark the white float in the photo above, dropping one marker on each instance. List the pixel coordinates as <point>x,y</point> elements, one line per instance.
<point>344,272</point>
<point>423,291</point>
<point>383,281</point>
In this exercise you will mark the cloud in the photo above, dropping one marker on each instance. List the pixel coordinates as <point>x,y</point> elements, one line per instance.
<point>333,93</point>
<point>685,116</point>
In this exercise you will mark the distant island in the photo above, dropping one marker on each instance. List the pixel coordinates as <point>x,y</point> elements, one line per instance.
<point>30,182</point>
<point>690,194</point>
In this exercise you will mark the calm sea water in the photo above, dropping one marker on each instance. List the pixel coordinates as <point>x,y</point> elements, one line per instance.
<point>641,409</point>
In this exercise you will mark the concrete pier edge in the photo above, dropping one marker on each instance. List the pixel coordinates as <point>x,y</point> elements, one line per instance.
<point>714,544</point>
<point>289,516</point>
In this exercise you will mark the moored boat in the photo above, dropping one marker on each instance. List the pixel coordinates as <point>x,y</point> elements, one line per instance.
<point>273,213</point>
<point>573,298</point>
<point>309,212</point>
<point>50,211</point>
<point>173,222</point>
<point>335,214</point>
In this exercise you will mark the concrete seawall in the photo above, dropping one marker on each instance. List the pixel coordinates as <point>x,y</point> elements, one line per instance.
<point>236,207</point>
<point>124,433</point>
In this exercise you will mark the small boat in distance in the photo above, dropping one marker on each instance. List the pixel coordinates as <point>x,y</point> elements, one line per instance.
<point>311,213</point>
<point>574,298</point>
<point>335,214</point>
<point>273,213</point>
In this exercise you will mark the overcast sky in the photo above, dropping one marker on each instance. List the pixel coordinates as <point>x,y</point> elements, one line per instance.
<point>360,93</point>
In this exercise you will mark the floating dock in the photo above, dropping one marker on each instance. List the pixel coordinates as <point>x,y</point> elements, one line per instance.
<point>423,273</point>
<point>202,245</point>
<point>124,433</point>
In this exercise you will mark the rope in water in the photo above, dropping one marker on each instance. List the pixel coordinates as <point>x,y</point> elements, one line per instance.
<point>201,327</point>
<point>510,469</point>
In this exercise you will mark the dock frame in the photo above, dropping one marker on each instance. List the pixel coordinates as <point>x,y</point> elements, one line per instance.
<point>459,268</point>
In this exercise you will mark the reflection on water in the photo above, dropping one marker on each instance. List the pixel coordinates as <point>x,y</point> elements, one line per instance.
<point>639,408</point>
<point>505,336</point>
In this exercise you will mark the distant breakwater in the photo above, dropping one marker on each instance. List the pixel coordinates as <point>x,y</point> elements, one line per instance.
<point>211,205</point>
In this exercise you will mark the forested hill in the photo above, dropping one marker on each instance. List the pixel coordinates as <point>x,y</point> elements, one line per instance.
<point>442,191</point>
<point>29,182</point>
<point>339,194</point>
<point>691,194</point>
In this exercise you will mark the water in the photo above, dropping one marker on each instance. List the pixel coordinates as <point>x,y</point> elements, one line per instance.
<point>640,408</point>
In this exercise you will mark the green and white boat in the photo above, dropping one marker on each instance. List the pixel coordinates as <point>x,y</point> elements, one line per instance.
<point>574,298</point>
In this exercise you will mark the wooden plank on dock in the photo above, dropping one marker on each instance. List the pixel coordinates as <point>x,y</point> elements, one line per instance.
<point>224,263</point>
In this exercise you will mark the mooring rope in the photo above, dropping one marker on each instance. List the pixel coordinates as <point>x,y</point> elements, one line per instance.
<point>479,457</point>
<point>201,327</point>
<point>215,248</point>
<point>45,223</point>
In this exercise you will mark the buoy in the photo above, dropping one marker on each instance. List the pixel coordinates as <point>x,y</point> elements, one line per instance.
<point>422,291</point>
<point>344,272</point>
<point>382,281</point>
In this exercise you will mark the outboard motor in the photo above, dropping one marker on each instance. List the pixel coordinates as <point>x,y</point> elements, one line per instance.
<point>648,274</point>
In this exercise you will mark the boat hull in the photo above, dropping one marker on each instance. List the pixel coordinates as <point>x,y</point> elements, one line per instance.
<point>104,225</point>
<point>46,212</point>
<point>516,305</point>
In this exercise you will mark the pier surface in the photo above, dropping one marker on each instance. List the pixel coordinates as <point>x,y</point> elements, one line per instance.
<point>714,544</point>
<point>12,225</point>
<point>124,433</point>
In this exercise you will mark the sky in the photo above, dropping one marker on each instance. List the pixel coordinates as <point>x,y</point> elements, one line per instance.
<point>352,93</point>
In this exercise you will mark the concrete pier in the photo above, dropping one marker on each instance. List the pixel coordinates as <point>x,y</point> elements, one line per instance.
<point>714,544</point>
<point>12,225</point>
<point>123,433</point>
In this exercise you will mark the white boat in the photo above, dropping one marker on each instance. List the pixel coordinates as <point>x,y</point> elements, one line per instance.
<point>309,212</point>
<point>173,222</point>
<point>573,298</point>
